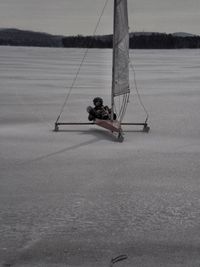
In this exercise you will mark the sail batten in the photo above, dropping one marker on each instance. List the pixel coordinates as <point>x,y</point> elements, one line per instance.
<point>120,77</point>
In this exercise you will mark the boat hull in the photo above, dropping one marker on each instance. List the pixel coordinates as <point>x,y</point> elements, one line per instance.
<point>113,126</point>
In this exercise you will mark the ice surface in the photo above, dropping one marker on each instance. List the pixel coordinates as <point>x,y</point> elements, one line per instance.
<point>77,197</point>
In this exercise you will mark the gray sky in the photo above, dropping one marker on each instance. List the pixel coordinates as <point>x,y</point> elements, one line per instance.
<point>68,17</point>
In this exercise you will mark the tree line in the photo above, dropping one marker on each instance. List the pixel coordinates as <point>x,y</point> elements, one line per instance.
<point>16,37</point>
<point>150,41</point>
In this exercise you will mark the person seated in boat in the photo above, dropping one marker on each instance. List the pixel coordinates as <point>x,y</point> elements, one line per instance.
<point>99,111</point>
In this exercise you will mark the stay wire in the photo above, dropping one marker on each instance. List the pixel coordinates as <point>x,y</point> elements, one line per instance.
<point>82,61</point>
<point>138,94</point>
<point>136,87</point>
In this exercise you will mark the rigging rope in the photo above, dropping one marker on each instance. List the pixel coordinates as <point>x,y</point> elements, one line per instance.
<point>79,68</point>
<point>136,87</point>
<point>138,94</point>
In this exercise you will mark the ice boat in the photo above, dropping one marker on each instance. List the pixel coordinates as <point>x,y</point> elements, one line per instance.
<point>120,76</point>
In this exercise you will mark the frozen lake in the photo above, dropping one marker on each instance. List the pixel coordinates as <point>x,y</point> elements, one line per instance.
<point>78,197</point>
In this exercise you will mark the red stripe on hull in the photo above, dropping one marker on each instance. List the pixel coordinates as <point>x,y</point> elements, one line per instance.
<point>113,126</point>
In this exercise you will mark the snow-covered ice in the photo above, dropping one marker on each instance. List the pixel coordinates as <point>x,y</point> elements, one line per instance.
<point>77,197</point>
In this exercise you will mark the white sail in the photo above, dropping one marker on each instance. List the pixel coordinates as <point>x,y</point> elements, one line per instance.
<point>120,77</point>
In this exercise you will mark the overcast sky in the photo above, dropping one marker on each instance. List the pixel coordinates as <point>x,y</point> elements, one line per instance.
<point>69,17</point>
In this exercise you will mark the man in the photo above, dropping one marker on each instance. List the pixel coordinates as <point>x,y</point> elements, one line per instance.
<point>99,111</point>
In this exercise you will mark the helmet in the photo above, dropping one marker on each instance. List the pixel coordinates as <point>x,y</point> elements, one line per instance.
<point>98,99</point>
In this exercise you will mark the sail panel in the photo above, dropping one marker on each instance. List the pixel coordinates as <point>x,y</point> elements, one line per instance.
<point>120,83</point>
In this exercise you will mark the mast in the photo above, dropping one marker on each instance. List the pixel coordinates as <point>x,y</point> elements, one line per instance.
<point>113,62</point>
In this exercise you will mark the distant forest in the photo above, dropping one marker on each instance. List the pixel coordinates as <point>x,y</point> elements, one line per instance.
<point>143,40</point>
